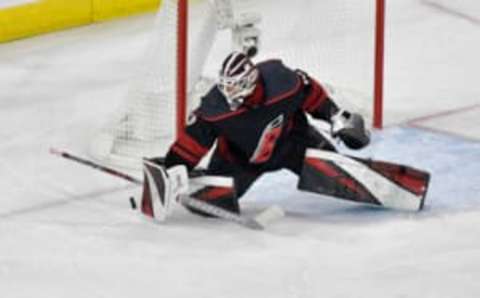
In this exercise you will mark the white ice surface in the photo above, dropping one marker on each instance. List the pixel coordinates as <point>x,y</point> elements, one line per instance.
<point>67,231</point>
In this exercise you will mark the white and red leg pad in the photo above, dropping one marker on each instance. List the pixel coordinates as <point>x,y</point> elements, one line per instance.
<point>218,191</point>
<point>364,180</point>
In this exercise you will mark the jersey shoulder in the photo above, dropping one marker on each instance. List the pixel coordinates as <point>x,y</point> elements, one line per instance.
<point>279,80</point>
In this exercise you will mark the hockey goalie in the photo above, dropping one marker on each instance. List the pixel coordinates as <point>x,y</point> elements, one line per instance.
<point>256,114</point>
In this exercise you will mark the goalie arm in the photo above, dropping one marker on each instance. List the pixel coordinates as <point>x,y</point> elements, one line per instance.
<point>348,126</point>
<point>192,144</point>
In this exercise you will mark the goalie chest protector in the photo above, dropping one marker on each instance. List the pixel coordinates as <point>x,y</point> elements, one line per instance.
<point>255,134</point>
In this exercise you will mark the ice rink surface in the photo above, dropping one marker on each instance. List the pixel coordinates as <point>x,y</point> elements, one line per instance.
<point>67,231</point>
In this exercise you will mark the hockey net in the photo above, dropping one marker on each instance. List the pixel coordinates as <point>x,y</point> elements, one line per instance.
<point>332,40</point>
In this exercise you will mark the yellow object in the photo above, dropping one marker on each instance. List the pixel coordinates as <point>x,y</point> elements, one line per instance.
<point>25,18</point>
<point>108,9</point>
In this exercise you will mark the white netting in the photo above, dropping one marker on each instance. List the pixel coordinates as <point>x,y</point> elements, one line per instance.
<point>333,40</point>
<point>146,123</point>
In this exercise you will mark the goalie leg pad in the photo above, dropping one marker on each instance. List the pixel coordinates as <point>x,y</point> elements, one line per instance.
<point>320,176</point>
<point>222,185</point>
<point>361,180</point>
<point>219,196</point>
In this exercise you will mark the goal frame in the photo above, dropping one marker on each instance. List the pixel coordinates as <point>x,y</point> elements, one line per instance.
<point>379,64</point>
<point>182,65</point>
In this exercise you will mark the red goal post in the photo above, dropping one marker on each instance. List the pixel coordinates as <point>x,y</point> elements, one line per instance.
<point>379,63</point>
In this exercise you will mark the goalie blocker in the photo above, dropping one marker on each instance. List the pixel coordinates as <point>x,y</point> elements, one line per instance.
<point>204,195</point>
<point>364,180</point>
<point>161,188</point>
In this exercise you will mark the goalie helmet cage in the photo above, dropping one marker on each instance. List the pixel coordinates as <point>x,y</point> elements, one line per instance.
<point>338,42</point>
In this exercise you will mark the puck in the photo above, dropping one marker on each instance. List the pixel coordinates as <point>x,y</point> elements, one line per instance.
<point>133,204</point>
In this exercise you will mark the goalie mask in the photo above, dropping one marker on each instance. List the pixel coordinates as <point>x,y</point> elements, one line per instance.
<point>238,79</point>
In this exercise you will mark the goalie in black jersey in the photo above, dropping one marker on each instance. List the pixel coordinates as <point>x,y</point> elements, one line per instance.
<point>256,115</point>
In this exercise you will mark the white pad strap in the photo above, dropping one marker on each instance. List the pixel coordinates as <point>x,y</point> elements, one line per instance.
<point>178,180</point>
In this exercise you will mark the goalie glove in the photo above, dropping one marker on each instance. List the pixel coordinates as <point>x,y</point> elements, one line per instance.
<point>161,188</point>
<point>350,128</point>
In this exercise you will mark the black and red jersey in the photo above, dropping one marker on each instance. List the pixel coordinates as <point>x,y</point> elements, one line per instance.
<point>258,133</point>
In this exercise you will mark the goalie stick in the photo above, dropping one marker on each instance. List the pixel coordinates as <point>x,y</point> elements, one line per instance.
<point>258,222</point>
